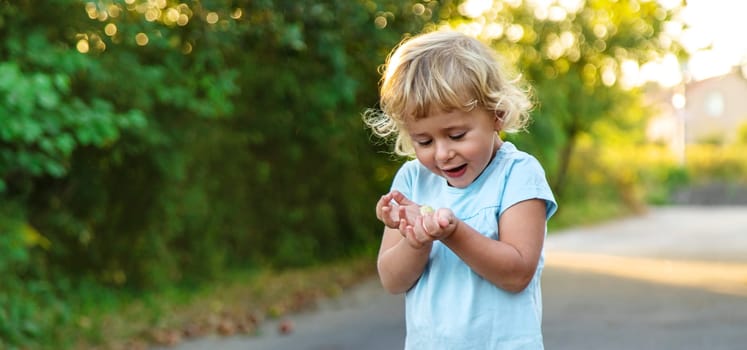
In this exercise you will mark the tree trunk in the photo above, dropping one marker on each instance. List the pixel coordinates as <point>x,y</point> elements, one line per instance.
<point>565,160</point>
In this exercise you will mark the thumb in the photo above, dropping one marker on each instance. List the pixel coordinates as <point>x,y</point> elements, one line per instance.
<point>444,217</point>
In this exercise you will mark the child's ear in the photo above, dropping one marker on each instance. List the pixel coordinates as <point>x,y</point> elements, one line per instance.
<point>498,122</point>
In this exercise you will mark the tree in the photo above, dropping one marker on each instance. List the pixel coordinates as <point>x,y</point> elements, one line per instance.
<point>573,55</point>
<point>144,143</point>
<point>114,110</point>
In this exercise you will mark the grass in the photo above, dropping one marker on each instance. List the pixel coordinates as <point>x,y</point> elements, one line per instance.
<point>585,213</point>
<point>236,305</point>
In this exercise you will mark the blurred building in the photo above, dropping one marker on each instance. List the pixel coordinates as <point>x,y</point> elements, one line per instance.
<point>705,111</point>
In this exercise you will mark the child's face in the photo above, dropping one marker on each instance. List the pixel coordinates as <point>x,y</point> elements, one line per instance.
<point>456,145</point>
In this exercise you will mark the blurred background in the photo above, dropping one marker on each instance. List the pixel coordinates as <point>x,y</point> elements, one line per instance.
<point>155,153</point>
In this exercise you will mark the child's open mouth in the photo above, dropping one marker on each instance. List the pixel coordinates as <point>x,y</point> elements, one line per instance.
<point>456,172</point>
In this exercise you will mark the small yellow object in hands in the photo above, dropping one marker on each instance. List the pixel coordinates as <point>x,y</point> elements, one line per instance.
<point>426,209</point>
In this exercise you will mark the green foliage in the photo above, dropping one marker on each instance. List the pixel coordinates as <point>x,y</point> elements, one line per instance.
<point>26,289</point>
<point>742,134</point>
<point>716,163</point>
<point>574,63</point>
<point>232,138</point>
<point>43,122</point>
<point>661,180</point>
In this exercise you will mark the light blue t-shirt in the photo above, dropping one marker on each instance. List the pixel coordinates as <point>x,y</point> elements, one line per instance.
<point>451,307</point>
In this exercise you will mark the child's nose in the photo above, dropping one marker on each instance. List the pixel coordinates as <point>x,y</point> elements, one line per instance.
<point>443,152</point>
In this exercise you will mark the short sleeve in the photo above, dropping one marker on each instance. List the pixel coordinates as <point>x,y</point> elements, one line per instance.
<point>403,179</point>
<point>526,180</point>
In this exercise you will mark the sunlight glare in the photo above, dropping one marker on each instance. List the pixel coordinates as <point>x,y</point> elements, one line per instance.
<point>182,20</point>
<point>92,10</point>
<point>630,73</point>
<point>110,29</point>
<point>494,30</point>
<point>237,13</point>
<point>720,277</point>
<point>665,71</point>
<point>679,100</point>
<point>172,15</point>
<point>557,13</point>
<point>475,8</point>
<point>82,46</point>
<point>380,22</point>
<point>152,14</point>
<point>715,36</point>
<point>709,30</point>
<point>212,17</point>
<point>515,32</point>
<point>418,9</point>
<point>141,39</point>
<point>608,76</point>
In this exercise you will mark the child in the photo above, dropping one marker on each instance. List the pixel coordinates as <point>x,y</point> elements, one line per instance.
<point>471,268</point>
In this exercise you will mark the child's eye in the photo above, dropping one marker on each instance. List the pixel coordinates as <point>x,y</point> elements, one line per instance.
<point>457,136</point>
<point>423,142</point>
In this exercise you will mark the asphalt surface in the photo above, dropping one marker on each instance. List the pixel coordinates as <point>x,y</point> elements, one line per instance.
<point>674,278</point>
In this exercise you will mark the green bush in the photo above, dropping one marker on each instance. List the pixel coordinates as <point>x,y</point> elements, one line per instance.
<point>216,146</point>
<point>742,134</point>
<point>30,302</point>
<point>720,163</point>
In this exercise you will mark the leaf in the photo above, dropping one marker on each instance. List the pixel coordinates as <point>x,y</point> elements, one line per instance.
<point>46,96</point>
<point>65,143</point>
<point>32,237</point>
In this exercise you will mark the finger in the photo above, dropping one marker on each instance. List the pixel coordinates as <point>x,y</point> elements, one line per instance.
<point>388,218</point>
<point>380,213</point>
<point>406,231</point>
<point>402,225</point>
<point>382,203</point>
<point>392,216</point>
<point>385,200</point>
<point>424,224</point>
<point>412,238</point>
<point>400,198</point>
<point>402,211</point>
<point>421,233</point>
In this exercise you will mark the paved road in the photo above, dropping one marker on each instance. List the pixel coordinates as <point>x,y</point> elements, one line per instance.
<point>675,278</point>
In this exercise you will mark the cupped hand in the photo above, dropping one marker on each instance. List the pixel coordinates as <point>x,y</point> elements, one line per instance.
<point>439,225</point>
<point>429,227</point>
<point>394,207</point>
<point>414,233</point>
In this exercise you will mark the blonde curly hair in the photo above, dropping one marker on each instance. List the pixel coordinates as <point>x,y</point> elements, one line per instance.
<point>444,70</point>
